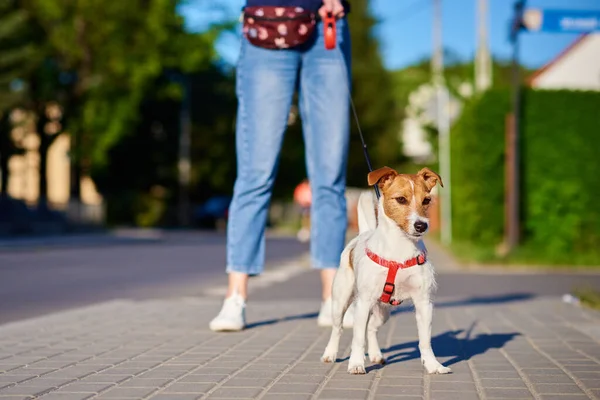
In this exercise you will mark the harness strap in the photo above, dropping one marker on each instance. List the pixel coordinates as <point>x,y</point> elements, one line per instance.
<point>393,267</point>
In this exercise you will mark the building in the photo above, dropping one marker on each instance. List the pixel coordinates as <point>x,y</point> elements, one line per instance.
<point>576,68</point>
<point>24,173</point>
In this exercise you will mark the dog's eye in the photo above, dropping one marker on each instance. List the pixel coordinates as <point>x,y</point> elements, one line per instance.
<point>401,200</point>
<point>426,201</point>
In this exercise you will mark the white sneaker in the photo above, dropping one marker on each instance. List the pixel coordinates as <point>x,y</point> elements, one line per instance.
<point>325,318</point>
<point>303,235</point>
<point>232,316</point>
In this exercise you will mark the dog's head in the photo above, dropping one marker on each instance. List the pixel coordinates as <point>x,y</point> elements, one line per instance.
<point>406,198</point>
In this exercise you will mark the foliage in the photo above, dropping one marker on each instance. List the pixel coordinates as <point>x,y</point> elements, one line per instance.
<point>560,217</point>
<point>140,181</point>
<point>18,56</point>
<point>588,296</point>
<point>459,77</point>
<point>114,51</point>
<point>17,53</point>
<point>560,171</point>
<point>373,96</point>
<point>477,150</point>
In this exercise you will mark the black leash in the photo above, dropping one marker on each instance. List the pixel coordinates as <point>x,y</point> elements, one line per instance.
<point>362,138</point>
<point>330,44</point>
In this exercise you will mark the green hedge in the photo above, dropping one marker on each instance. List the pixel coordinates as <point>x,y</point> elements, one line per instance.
<point>560,185</point>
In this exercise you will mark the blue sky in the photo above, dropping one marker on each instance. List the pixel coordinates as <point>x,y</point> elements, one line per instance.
<point>404,30</point>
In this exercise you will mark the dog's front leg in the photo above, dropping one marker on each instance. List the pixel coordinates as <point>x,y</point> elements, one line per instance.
<point>378,317</point>
<point>361,318</point>
<point>424,314</point>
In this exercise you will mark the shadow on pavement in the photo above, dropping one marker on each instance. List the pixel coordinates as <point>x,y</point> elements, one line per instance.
<point>448,344</point>
<point>284,319</point>
<point>470,301</point>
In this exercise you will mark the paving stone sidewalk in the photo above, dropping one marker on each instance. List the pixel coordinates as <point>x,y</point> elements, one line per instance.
<point>162,349</point>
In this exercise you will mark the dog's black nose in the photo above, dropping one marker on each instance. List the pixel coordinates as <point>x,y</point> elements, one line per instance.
<point>420,226</point>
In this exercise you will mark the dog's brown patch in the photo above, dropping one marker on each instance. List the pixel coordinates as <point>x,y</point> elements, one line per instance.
<point>351,259</point>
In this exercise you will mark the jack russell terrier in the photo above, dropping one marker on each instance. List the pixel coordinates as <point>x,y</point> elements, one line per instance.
<point>385,265</point>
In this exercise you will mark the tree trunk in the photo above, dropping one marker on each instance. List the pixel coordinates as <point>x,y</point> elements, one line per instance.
<point>43,153</point>
<point>4,175</point>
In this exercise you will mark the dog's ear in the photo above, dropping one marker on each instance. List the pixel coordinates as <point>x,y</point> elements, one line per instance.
<point>380,176</point>
<point>430,178</point>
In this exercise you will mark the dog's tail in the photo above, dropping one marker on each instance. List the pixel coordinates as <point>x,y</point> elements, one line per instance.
<point>367,212</point>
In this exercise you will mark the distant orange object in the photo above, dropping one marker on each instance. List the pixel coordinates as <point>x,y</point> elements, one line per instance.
<point>303,195</point>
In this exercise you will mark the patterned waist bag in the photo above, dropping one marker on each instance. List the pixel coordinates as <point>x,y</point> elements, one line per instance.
<point>272,27</point>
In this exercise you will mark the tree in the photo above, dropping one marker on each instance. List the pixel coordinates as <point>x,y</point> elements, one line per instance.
<point>114,52</point>
<point>15,56</point>
<point>374,99</point>
<point>459,77</point>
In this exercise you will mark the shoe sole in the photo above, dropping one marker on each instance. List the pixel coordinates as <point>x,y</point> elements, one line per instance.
<point>226,328</point>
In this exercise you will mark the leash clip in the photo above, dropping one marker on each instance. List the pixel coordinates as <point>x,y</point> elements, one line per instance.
<point>330,31</point>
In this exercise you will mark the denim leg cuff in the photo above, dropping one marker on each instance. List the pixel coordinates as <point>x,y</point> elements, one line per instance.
<point>252,271</point>
<point>324,265</point>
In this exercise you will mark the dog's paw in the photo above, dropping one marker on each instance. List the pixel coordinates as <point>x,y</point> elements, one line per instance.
<point>435,367</point>
<point>377,358</point>
<point>328,358</point>
<point>356,369</point>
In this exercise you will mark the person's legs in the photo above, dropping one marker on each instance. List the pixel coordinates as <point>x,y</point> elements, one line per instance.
<point>325,110</point>
<point>266,81</point>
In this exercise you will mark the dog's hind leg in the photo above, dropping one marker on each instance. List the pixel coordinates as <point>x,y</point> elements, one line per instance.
<point>343,288</point>
<point>379,316</point>
<point>424,314</point>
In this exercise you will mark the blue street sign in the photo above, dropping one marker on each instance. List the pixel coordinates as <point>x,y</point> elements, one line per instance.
<point>561,21</point>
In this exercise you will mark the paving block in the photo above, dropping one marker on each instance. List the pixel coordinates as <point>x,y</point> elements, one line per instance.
<point>175,396</point>
<point>399,390</point>
<point>235,393</point>
<point>563,378</point>
<point>66,396</point>
<point>507,393</point>
<point>344,394</point>
<point>453,386</point>
<point>294,388</point>
<point>183,387</point>
<point>502,383</point>
<point>146,382</point>
<point>558,388</point>
<point>122,393</point>
<point>277,396</point>
<point>452,395</point>
<point>348,384</point>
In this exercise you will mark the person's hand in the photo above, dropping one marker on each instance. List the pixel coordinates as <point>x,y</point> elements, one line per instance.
<point>333,6</point>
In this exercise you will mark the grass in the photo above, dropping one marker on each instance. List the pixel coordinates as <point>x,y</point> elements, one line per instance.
<point>589,297</point>
<point>524,256</point>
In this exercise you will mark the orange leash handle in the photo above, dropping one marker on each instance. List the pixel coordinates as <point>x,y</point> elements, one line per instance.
<point>330,33</point>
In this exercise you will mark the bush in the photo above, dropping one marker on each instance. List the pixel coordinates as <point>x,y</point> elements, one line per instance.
<point>477,145</point>
<point>559,185</point>
<point>561,132</point>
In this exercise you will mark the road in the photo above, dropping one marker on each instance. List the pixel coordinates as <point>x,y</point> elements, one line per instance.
<point>36,279</point>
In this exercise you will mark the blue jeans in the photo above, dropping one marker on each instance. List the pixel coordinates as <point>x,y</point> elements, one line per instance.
<point>266,82</point>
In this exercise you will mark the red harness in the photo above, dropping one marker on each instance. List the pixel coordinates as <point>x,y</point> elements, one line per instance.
<point>393,267</point>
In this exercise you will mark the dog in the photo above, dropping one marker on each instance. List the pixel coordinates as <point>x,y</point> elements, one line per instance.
<point>385,265</point>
